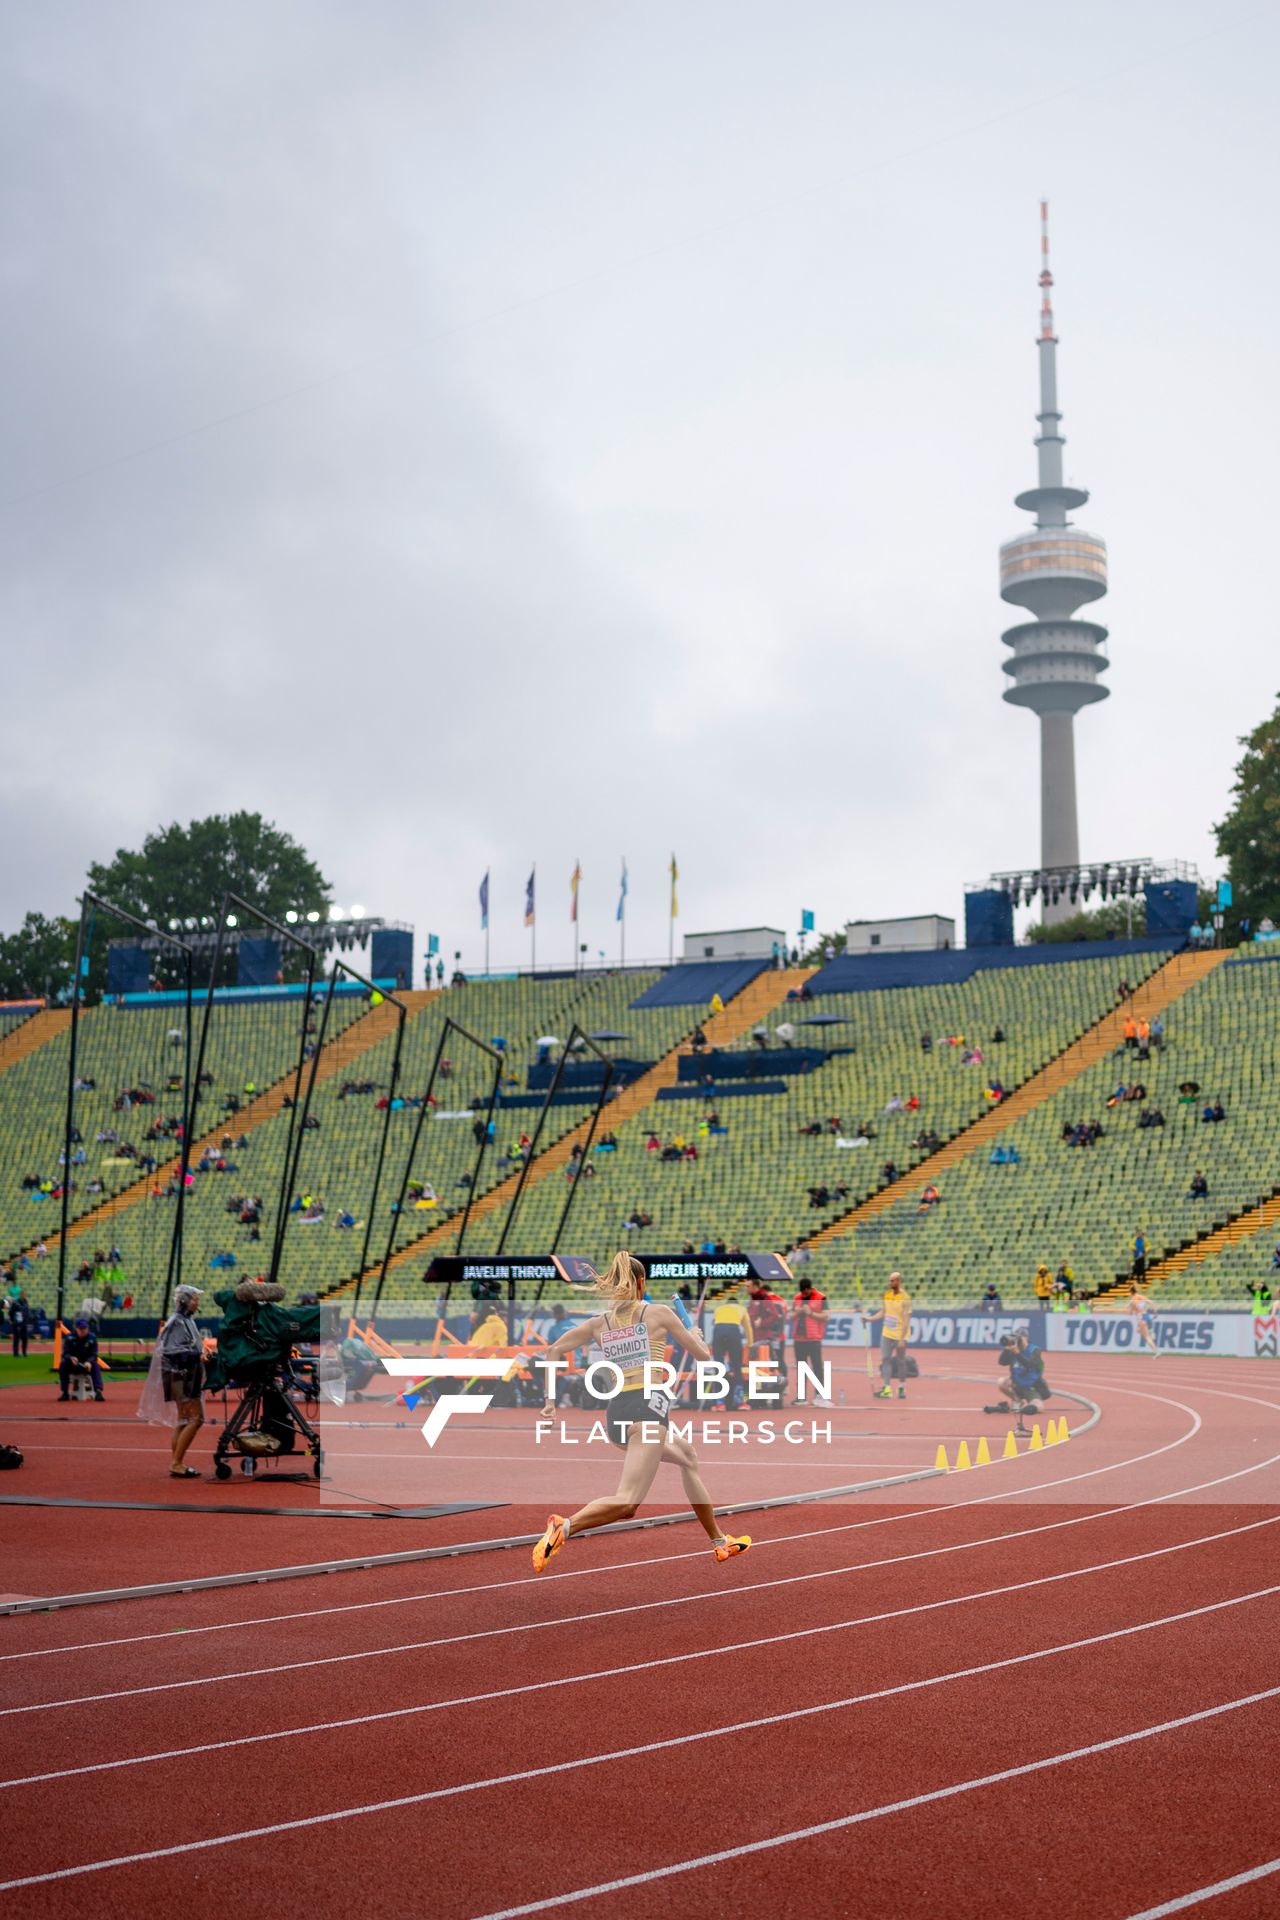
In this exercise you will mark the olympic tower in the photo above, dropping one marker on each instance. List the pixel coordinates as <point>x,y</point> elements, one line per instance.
<point>1052,570</point>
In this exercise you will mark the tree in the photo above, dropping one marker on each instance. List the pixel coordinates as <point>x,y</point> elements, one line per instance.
<point>37,961</point>
<point>1249,837</point>
<point>181,873</point>
<point>1111,921</point>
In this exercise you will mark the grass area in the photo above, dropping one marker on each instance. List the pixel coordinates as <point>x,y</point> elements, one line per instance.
<point>22,1371</point>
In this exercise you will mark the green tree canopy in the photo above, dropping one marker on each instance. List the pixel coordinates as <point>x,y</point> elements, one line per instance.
<point>1112,920</point>
<point>38,960</point>
<point>181,873</point>
<point>1249,837</point>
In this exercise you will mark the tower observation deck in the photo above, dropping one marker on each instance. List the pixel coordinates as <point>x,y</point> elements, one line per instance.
<point>1052,570</point>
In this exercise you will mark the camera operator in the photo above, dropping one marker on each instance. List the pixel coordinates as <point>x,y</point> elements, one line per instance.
<point>1025,1379</point>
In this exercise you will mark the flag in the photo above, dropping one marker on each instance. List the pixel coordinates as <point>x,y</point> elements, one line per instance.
<point>484,904</point>
<point>675,875</point>
<point>528,898</point>
<point>622,894</point>
<point>574,883</point>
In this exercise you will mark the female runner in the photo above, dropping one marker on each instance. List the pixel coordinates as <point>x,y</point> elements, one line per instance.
<point>629,1332</point>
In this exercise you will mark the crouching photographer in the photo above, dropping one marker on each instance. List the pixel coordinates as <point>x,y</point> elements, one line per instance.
<point>1022,1382</point>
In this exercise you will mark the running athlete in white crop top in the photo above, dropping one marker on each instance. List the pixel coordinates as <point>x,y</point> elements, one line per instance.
<point>631,1332</point>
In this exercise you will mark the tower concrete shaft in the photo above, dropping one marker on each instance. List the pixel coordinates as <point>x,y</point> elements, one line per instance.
<point>1051,571</point>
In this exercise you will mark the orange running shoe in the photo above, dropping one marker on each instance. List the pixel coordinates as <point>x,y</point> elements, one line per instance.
<point>732,1544</point>
<point>551,1542</point>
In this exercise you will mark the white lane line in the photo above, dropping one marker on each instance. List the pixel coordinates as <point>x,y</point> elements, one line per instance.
<point>707,1733</point>
<point>1186,1900</point>
<point>654,1560</point>
<point>639,1666</point>
<point>796,1713</point>
<point>848,1820</point>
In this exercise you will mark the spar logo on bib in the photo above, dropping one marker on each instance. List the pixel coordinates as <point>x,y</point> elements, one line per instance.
<point>447,1404</point>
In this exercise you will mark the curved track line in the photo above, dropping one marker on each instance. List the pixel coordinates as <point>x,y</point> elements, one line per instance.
<point>490,1586</point>
<point>755,1846</point>
<point>878,1813</point>
<point>1186,1900</point>
<point>409,1712</point>
<point>638,1666</point>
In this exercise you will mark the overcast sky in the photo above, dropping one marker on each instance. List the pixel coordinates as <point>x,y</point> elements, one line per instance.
<point>477,434</point>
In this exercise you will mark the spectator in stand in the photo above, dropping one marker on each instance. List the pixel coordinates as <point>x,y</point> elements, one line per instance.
<point>990,1301</point>
<point>926,1043</point>
<point>79,1356</point>
<point>1216,1112</point>
<point>997,1037</point>
<point>929,1198</point>
<point>1043,1284</point>
<point>1139,1267</point>
<point>1157,1032</point>
<point>1064,1281</point>
<point>1151,1117</point>
<point>1130,1031</point>
<point>808,1329</point>
<point>1199,1186</point>
<point>888,1174</point>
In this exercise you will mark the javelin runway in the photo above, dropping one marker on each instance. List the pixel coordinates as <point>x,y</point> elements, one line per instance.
<point>1067,1664</point>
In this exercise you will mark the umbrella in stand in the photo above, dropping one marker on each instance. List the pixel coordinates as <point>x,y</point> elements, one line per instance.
<point>786,1031</point>
<point>823,1020</point>
<point>547,1040</point>
<point>1189,1086</point>
<point>608,1036</point>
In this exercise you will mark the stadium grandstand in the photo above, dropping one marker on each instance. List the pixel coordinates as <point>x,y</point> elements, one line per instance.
<point>975,1118</point>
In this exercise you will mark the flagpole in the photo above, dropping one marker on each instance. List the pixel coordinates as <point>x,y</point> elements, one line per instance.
<point>486,945</point>
<point>533,923</point>
<point>622,918</point>
<point>671,917</point>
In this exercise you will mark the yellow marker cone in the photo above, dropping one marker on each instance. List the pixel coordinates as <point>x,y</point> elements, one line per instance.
<point>1051,1434</point>
<point>1010,1446</point>
<point>940,1461</point>
<point>1035,1444</point>
<point>1064,1431</point>
<point>962,1457</point>
<point>982,1458</point>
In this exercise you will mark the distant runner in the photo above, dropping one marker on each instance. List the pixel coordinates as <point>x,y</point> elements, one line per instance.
<point>1143,1309</point>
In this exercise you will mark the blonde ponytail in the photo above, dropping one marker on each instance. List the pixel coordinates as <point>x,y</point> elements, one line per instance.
<point>622,1280</point>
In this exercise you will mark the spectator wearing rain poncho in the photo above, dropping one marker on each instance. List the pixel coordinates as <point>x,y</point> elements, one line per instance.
<point>173,1394</point>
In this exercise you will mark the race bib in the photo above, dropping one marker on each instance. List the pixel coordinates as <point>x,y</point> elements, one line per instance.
<point>626,1347</point>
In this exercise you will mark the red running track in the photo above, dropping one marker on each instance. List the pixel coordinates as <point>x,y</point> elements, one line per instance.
<point>1055,1688</point>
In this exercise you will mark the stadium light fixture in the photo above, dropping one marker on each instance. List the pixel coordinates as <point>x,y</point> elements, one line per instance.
<point>231,920</point>
<point>291,917</point>
<point>313,916</point>
<point>335,913</point>
<point>357,913</point>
